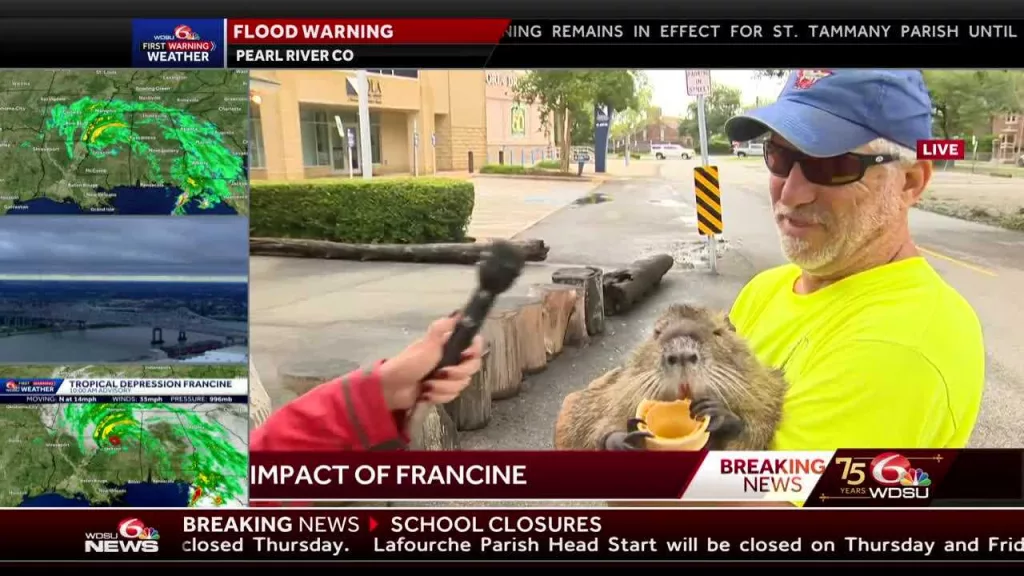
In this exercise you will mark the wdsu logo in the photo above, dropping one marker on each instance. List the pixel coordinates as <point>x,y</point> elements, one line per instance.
<point>888,476</point>
<point>131,536</point>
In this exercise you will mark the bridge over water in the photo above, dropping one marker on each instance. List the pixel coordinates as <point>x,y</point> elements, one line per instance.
<point>181,319</point>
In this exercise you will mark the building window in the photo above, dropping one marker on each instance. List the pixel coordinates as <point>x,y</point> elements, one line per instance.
<point>321,144</point>
<point>400,72</point>
<point>316,137</point>
<point>257,159</point>
<point>1012,118</point>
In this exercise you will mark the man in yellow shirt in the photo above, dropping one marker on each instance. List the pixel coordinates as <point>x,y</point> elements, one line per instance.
<point>878,350</point>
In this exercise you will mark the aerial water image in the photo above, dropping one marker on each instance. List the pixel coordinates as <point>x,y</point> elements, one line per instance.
<point>171,452</point>
<point>108,142</point>
<point>95,289</point>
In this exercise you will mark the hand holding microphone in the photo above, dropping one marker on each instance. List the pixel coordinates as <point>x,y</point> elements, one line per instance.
<point>436,368</point>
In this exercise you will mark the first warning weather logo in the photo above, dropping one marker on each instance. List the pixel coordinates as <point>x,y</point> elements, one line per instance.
<point>183,44</point>
<point>132,535</point>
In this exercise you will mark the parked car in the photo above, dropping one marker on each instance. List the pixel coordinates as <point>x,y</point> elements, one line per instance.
<point>662,151</point>
<point>748,149</point>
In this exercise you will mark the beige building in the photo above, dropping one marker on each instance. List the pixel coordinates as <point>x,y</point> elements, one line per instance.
<point>515,132</point>
<point>302,120</point>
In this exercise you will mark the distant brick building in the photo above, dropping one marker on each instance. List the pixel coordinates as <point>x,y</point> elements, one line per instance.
<point>1009,132</point>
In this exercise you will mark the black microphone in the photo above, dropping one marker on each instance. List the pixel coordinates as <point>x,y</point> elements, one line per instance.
<point>499,268</point>
<point>496,273</point>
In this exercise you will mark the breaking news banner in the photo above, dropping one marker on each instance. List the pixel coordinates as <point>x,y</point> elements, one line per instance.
<point>509,534</point>
<point>181,43</point>
<point>844,478</point>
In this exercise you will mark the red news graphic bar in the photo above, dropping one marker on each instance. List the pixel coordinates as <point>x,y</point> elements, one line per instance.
<point>366,31</point>
<point>470,475</point>
<point>562,534</point>
<point>941,150</point>
<point>843,478</point>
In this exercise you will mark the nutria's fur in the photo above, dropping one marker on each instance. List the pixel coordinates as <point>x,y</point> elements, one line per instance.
<point>693,352</point>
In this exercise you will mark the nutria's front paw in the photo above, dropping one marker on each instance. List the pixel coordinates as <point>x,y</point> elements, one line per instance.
<point>630,441</point>
<point>723,424</point>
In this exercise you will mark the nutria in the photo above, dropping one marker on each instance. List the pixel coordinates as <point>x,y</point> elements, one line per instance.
<point>692,353</point>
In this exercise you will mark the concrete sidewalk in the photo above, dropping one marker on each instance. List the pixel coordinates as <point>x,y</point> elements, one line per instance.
<point>506,206</point>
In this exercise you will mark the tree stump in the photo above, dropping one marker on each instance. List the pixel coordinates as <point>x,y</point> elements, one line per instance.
<point>558,301</point>
<point>260,405</point>
<point>624,289</point>
<point>301,376</point>
<point>504,367</point>
<point>533,357</point>
<point>589,278</point>
<point>436,431</point>
<point>576,328</point>
<point>472,409</point>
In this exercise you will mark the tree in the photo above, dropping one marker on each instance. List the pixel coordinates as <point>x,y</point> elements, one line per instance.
<point>964,101</point>
<point>563,94</point>
<point>633,119</point>
<point>723,103</point>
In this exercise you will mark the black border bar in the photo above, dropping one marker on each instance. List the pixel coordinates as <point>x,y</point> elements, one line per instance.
<point>518,9</point>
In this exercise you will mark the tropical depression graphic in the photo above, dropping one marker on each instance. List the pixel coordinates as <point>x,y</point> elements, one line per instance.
<point>125,454</point>
<point>123,142</point>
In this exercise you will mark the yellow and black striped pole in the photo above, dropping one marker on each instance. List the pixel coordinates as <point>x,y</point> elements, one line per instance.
<point>709,207</point>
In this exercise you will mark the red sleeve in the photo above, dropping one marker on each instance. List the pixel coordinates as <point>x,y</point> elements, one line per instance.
<point>348,413</point>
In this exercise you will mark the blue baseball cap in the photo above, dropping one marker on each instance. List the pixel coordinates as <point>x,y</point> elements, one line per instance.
<point>830,112</point>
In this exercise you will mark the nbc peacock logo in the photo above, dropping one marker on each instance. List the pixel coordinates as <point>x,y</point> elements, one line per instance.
<point>915,477</point>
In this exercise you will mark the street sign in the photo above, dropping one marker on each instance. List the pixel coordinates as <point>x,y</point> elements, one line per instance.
<point>351,138</point>
<point>709,200</point>
<point>698,82</point>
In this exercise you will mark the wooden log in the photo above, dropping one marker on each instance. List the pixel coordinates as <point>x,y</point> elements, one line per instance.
<point>472,409</point>
<point>624,289</point>
<point>439,253</point>
<point>558,303</point>
<point>260,405</point>
<point>504,369</point>
<point>529,310</point>
<point>436,431</point>
<point>302,375</point>
<point>589,278</point>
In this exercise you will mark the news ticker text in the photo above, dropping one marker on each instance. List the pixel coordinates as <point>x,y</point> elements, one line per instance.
<point>844,478</point>
<point>496,534</point>
<point>504,43</point>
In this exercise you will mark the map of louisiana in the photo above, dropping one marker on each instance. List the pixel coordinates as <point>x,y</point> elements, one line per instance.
<point>95,454</point>
<point>141,142</point>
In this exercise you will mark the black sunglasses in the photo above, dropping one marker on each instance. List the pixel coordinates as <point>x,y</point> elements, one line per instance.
<point>832,171</point>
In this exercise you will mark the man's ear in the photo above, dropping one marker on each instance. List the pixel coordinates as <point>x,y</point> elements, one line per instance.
<point>917,178</point>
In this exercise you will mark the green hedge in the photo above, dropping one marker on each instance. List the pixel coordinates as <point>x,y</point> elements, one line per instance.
<point>516,170</point>
<point>549,164</point>
<point>379,211</point>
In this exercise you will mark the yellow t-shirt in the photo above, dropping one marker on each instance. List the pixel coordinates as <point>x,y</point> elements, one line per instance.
<point>889,358</point>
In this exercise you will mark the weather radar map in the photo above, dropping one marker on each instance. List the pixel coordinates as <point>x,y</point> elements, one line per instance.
<point>140,142</point>
<point>80,451</point>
